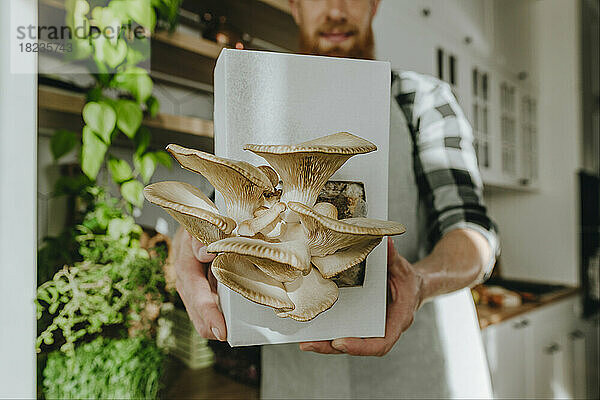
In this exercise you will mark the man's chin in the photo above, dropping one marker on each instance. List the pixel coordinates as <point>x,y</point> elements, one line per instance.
<point>350,48</point>
<point>336,50</point>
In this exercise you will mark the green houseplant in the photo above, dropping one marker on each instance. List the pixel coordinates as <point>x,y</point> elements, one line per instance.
<point>100,291</point>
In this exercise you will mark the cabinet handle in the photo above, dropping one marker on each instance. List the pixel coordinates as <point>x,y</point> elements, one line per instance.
<point>521,324</point>
<point>553,348</point>
<point>577,334</point>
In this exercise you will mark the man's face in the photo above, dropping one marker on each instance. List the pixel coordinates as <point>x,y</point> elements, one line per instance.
<point>339,28</point>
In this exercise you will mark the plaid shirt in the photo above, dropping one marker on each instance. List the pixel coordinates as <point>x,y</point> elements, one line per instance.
<point>445,163</point>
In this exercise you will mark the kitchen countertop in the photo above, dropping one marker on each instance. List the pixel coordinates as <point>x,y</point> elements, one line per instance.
<point>489,315</point>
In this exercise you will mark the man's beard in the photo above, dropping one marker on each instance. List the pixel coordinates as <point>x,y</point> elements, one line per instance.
<point>364,47</point>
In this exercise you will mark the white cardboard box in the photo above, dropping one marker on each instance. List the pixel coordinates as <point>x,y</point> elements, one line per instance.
<point>274,98</point>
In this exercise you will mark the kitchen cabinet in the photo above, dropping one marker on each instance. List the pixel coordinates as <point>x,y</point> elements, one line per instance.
<point>544,353</point>
<point>509,358</point>
<point>483,50</point>
<point>503,114</point>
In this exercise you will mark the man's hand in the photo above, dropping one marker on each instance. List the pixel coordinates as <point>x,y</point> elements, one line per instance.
<point>404,298</point>
<point>197,286</point>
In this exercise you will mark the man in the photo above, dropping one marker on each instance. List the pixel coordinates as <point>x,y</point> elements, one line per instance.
<point>435,188</point>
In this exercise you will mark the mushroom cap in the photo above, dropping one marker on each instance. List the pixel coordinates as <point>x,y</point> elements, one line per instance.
<point>240,275</point>
<point>191,208</point>
<point>304,168</point>
<point>349,226</point>
<point>338,143</point>
<point>347,242</point>
<point>311,294</point>
<point>241,184</point>
<point>326,209</point>
<point>211,165</point>
<point>287,255</point>
<point>333,264</point>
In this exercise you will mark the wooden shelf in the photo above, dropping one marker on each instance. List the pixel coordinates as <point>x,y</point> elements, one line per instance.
<point>192,58</point>
<point>190,43</point>
<point>281,5</point>
<point>64,102</point>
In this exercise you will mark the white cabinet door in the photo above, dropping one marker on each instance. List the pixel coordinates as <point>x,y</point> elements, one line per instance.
<point>553,358</point>
<point>552,368</point>
<point>509,358</point>
<point>576,353</point>
<point>528,140</point>
<point>480,116</point>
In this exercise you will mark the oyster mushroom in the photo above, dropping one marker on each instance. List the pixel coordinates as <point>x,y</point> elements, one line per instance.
<point>305,168</point>
<point>192,209</point>
<point>240,275</point>
<point>283,261</point>
<point>336,245</point>
<point>311,295</point>
<point>241,184</point>
<point>263,222</point>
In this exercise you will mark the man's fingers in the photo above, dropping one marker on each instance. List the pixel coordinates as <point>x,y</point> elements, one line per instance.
<point>392,253</point>
<point>214,323</point>
<point>196,293</point>
<point>323,347</point>
<point>200,253</point>
<point>361,347</point>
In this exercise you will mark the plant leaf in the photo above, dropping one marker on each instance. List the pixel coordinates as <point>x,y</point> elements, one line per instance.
<point>92,153</point>
<point>129,117</point>
<point>136,81</point>
<point>146,166</point>
<point>141,140</point>
<point>153,106</point>
<point>141,12</point>
<point>62,142</point>
<point>101,118</point>
<point>119,170</point>
<point>132,191</point>
<point>114,55</point>
<point>162,157</point>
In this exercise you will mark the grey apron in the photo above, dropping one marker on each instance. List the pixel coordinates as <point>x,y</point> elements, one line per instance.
<point>440,355</point>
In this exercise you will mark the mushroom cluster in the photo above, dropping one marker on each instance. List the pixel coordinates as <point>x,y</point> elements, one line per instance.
<point>275,246</point>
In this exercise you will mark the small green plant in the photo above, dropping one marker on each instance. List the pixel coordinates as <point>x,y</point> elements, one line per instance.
<point>105,369</point>
<point>118,284</point>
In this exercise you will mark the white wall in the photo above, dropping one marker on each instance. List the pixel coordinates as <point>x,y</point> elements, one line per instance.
<point>539,230</point>
<point>17,211</point>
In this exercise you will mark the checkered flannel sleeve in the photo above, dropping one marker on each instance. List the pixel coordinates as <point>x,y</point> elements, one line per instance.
<point>445,162</point>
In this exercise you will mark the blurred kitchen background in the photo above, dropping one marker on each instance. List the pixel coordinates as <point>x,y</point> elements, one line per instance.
<point>526,74</point>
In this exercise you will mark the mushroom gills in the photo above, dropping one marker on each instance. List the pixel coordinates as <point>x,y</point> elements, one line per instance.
<point>241,184</point>
<point>273,256</point>
<point>305,168</point>
<point>326,235</point>
<point>192,209</point>
<point>240,275</point>
<point>311,294</point>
